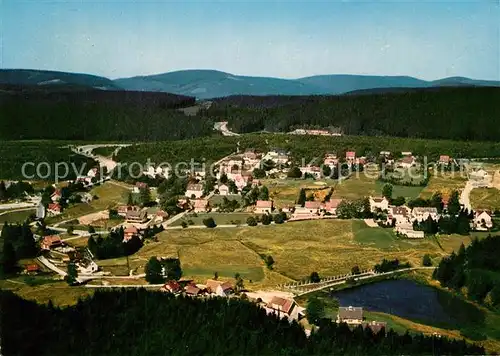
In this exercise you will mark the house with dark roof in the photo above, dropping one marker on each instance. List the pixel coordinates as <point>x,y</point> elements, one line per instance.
<point>350,315</point>
<point>171,287</point>
<point>375,326</point>
<point>192,290</point>
<point>136,216</point>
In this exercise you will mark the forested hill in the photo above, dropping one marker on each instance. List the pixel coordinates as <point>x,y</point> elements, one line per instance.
<point>69,113</point>
<point>140,322</point>
<point>49,78</point>
<point>461,113</point>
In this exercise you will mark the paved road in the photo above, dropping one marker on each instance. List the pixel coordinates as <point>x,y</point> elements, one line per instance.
<point>465,196</point>
<point>23,205</point>
<point>222,127</point>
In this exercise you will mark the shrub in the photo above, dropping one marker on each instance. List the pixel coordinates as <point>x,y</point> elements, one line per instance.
<point>184,224</point>
<point>209,222</point>
<point>266,219</point>
<point>426,260</point>
<point>251,221</point>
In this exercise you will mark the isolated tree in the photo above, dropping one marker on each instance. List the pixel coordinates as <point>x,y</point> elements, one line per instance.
<point>294,172</point>
<point>145,196</point>
<point>426,260</point>
<point>398,201</point>
<point>437,201</point>
<point>91,229</point>
<point>454,204</point>
<point>259,173</point>
<point>130,201</point>
<point>264,193</point>
<point>302,197</point>
<point>327,171</point>
<point>72,273</point>
<point>209,222</point>
<point>153,270</point>
<point>355,270</point>
<point>269,261</point>
<point>314,278</point>
<point>216,275</point>
<point>70,230</point>
<point>172,268</point>
<point>239,282</point>
<point>279,218</point>
<point>223,178</point>
<point>184,224</point>
<point>387,191</point>
<point>266,219</point>
<point>251,221</point>
<point>315,310</point>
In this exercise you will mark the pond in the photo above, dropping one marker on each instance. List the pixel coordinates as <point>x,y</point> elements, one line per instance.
<point>413,301</point>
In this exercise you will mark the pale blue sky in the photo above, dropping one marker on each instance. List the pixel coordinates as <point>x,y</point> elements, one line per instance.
<point>286,39</point>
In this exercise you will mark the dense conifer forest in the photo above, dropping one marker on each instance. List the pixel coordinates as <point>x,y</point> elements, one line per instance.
<point>307,147</point>
<point>140,322</point>
<point>461,113</point>
<point>97,115</point>
<point>474,271</point>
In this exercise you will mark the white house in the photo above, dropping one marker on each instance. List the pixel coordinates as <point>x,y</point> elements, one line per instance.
<point>423,213</point>
<point>315,171</point>
<point>195,190</point>
<point>277,155</point>
<point>223,189</point>
<point>378,203</point>
<point>482,220</point>
<point>350,315</point>
<point>330,160</point>
<point>87,267</point>
<point>406,162</point>
<point>310,209</point>
<point>40,211</point>
<point>263,206</point>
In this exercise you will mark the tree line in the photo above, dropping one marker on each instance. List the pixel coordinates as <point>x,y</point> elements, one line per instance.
<point>17,243</point>
<point>474,271</point>
<point>141,322</point>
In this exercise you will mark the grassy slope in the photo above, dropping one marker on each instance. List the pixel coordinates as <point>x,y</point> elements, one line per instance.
<point>15,216</point>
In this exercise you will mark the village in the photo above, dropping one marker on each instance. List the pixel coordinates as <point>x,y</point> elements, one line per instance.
<point>236,196</point>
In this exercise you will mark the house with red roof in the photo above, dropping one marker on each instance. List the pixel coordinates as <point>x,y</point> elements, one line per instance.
<point>50,242</point>
<point>129,233</point>
<point>350,156</point>
<point>54,209</point>
<point>263,207</point>
<point>444,159</point>
<point>332,205</point>
<point>219,288</point>
<point>281,305</point>
<point>171,287</point>
<point>56,196</point>
<point>201,205</point>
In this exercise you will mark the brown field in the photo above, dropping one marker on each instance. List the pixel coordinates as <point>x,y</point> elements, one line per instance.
<point>485,198</point>
<point>444,183</point>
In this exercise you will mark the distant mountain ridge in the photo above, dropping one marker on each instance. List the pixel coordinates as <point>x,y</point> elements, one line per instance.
<point>208,84</point>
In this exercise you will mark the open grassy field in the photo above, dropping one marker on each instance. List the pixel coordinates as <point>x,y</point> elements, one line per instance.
<point>485,198</point>
<point>220,218</point>
<point>443,183</point>
<point>329,247</point>
<point>58,291</point>
<point>108,195</point>
<point>285,192</point>
<point>15,216</point>
<point>217,199</point>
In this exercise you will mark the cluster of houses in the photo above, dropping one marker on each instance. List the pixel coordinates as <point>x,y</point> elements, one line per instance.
<point>212,287</point>
<point>404,217</point>
<point>87,179</point>
<point>59,252</point>
<point>315,132</point>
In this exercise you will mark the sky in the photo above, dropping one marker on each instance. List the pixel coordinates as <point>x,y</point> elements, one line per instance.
<point>287,39</point>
